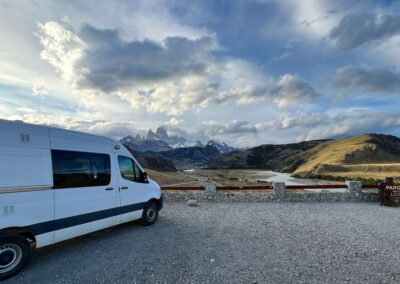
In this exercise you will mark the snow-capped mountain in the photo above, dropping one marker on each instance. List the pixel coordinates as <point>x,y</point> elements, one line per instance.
<point>162,135</point>
<point>222,147</point>
<point>141,144</point>
<point>160,140</point>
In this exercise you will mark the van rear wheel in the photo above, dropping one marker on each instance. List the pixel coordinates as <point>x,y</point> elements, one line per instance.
<point>150,213</point>
<point>14,254</point>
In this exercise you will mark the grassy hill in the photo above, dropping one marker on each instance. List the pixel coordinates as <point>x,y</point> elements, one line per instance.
<point>365,156</point>
<point>282,158</point>
<point>344,154</point>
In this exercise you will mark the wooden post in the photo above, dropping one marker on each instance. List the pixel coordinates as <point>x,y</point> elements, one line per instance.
<point>385,197</point>
<point>381,193</point>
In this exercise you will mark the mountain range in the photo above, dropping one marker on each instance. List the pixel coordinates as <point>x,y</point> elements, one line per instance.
<point>160,140</point>
<point>189,157</point>
<point>369,156</point>
<point>153,162</point>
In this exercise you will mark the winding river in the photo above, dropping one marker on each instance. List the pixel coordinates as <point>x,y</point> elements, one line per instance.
<point>287,178</point>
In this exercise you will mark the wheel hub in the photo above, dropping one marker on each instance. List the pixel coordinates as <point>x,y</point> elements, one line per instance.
<point>10,256</point>
<point>151,214</point>
<point>6,257</point>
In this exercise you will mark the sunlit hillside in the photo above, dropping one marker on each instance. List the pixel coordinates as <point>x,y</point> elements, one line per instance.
<point>366,156</point>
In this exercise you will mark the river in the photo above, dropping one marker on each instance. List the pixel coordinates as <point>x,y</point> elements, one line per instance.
<point>287,178</point>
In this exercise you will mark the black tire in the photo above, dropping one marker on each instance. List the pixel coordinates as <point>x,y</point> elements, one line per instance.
<point>15,252</point>
<point>150,213</point>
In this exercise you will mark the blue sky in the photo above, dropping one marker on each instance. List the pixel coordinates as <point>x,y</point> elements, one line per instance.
<point>245,72</point>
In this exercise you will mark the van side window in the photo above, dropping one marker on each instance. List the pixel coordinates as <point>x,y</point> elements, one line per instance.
<point>130,170</point>
<point>80,169</point>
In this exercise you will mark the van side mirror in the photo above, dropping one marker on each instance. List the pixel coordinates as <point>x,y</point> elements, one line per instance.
<point>145,178</point>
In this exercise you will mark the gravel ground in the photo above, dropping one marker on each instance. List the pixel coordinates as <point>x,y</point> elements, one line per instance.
<point>234,243</point>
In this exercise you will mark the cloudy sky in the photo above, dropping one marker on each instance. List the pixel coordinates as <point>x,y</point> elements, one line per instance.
<point>246,72</point>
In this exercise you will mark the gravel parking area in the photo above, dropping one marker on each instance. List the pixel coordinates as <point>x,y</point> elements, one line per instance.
<point>234,243</point>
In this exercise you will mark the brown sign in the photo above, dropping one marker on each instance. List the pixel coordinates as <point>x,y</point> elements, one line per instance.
<point>389,193</point>
<point>394,192</point>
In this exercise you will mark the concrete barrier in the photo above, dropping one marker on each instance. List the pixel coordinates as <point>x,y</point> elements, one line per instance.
<point>279,193</point>
<point>260,196</point>
<point>279,188</point>
<point>354,186</point>
<point>211,188</point>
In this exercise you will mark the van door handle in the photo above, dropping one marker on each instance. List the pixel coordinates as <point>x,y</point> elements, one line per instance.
<point>109,188</point>
<point>123,187</point>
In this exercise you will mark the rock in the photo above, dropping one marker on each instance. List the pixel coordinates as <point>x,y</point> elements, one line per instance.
<point>192,202</point>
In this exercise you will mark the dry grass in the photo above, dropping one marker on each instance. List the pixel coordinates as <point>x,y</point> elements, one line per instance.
<point>220,177</point>
<point>366,171</point>
<point>231,177</point>
<point>168,178</point>
<point>334,152</point>
<point>365,175</point>
<point>341,159</point>
<point>379,168</point>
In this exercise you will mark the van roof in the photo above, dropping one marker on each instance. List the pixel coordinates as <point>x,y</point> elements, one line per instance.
<point>18,125</point>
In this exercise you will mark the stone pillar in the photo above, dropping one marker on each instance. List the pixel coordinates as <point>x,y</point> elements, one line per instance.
<point>211,188</point>
<point>354,186</point>
<point>279,188</point>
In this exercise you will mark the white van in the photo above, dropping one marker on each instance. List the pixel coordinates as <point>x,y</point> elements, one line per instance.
<point>58,184</point>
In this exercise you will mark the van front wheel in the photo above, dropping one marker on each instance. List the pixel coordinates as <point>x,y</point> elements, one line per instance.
<point>150,213</point>
<point>14,254</point>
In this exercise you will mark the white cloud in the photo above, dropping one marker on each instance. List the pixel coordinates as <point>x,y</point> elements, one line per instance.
<point>61,48</point>
<point>334,123</point>
<point>175,121</point>
<point>288,121</point>
<point>385,53</point>
<point>293,90</point>
<point>82,122</point>
<point>159,66</point>
<point>310,20</point>
<point>39,88</point>
<point>171,78</point>
<point>172,98</point>
<point>357,29</point>
<point>282,56</point>
<point>377,80</point>
<point>115,129</point>
<point>213,128</point>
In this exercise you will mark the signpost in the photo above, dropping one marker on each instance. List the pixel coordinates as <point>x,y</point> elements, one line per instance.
<point>389,193</point>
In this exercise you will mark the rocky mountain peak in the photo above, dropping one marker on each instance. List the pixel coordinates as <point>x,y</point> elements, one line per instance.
<point>160,140</point>
<point>161,133</point>
<point>150,135</point>
<point>222,147</point>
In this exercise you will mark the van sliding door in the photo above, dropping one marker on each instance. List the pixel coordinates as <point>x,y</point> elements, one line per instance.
<point>85,194</point>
